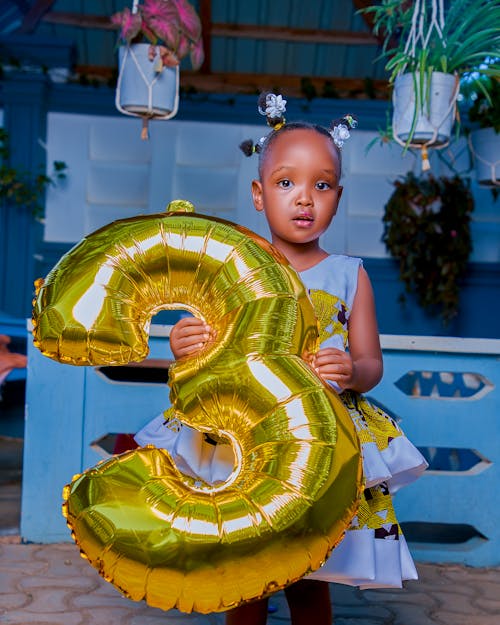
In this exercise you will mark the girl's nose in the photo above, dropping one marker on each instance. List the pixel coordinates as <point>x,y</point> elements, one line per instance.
<point>304,197</point>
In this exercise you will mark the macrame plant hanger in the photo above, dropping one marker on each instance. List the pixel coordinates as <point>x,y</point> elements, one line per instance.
<point>150,112</point>
<point>420,34</point>
<point>493,181</point>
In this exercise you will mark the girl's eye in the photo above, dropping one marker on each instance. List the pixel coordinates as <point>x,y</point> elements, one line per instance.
<point>322,186</point>
<point>285,184</point>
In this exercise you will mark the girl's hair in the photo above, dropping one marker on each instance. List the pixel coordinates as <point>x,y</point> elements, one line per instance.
<point>273,107</point>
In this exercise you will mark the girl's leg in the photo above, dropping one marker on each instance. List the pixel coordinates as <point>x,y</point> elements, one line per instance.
<point>254,613</point>
<point>309,601</point>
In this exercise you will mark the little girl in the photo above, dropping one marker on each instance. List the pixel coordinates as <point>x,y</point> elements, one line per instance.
<point>298,192</point>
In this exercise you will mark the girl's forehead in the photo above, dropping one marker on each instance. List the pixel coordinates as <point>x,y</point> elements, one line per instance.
<point>300,141</point>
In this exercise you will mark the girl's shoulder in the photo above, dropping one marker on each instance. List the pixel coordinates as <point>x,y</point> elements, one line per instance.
<point>336,274</point>
<point>344,260</point>
<point>338,263</point>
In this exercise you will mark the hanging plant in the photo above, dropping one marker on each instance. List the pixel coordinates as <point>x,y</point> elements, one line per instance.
<point>427,229</point>
<point>21,188</point>
<point>428,45</point>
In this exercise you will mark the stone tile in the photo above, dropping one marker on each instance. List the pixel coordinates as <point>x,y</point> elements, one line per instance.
<point>487,589</point>
<point>8,583</point>
<point>18,554</point>
<point>75,583</point>
<point>486,575</point>
<point>444,617</point>
<point>12,600</point>
<point>488,605</point>
<point>402,598</point>
<point>429,573</point>
<point>48,599</point>
<point>22,568</point>
<point>106,600</point>
<point>456,602</point>
<point>359,621</point>
<point>173,617</point>
<point>105,616</point>
<point>376,613</point>
<point>346,595</point>
<point>415,615</point>
<point>21,617</point>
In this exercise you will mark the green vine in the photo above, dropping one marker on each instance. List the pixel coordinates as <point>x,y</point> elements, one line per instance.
<point>427,229</point>
<point>21,188</point>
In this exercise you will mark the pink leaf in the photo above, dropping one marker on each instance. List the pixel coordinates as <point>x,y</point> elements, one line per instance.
<point>183,47</point>
<point>148,33</point>
<point>162,18</point>
<point>130,24</point>
<point>189,20</point>
<point>197,54</point>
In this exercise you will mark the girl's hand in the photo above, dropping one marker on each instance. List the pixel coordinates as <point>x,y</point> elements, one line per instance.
<point>188,336</point>
<point>335,365</point>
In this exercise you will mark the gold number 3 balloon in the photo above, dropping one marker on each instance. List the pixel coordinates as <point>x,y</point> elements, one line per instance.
<point>147,528</point>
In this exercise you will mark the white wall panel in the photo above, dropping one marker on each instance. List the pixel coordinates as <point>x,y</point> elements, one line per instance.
<point>112,140</point>
<point>208,145</point>
<point>367,194</point>
<point>118,183</point>
<point>212,191</point>
<point>383,160</point>
<point>66,203</point>
<point>113,174</point>
<point>163,141</point>
<point>99,215</point>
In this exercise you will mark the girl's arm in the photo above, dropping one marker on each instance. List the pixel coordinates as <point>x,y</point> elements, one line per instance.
<point>361,368</point>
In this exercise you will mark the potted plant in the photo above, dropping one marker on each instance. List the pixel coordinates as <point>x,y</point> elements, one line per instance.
<point>155,36</point>
<point>21,188</point>
<point>427,230</point>
<point>428,47</point>
<point>484,137</point>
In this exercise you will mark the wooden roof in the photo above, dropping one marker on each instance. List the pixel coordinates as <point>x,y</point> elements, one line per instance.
<point>318,47</point>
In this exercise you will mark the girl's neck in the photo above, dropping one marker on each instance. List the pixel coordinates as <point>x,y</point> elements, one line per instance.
<point>303,256</point>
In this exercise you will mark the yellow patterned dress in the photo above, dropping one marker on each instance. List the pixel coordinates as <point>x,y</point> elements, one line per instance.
<point>373,552</point>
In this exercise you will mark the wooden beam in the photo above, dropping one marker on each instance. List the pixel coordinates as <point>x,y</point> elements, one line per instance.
<point>82,20</point>
<point>297,35</point>
<point>293,86</point>
<point>240,31</point>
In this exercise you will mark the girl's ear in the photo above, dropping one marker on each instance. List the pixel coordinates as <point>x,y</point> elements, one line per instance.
<point>257,195</point>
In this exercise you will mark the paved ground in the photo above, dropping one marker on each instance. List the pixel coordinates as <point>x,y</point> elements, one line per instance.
<point>53,585</point>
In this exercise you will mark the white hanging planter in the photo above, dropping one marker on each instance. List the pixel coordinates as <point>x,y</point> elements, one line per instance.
<point>433,118</point>
<point>485,144</point>
<point>141,91</point>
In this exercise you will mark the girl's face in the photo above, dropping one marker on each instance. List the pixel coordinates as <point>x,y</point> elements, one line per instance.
<point>299,188</point>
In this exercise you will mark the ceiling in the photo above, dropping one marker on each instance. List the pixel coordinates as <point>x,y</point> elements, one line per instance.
<point>313,48</point>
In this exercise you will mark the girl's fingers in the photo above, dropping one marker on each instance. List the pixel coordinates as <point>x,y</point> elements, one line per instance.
<point>194,335</point>
<point>192,328</point>
<point>330,355</point>
<point>189,336</point>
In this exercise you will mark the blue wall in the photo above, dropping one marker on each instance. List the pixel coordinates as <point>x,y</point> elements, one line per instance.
<point>24,256</point>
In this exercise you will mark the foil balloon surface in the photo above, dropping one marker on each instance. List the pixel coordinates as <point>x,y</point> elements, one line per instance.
<point>150,530</point>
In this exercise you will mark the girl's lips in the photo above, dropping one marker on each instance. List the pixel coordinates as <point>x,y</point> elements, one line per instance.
<point>303,221</point>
